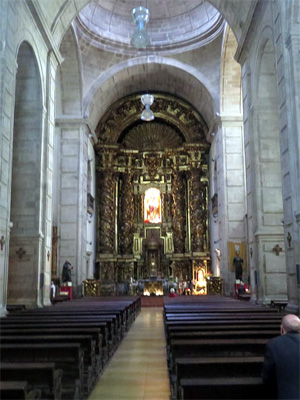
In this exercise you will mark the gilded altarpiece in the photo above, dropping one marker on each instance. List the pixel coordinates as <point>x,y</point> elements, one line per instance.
<point>151,199</point>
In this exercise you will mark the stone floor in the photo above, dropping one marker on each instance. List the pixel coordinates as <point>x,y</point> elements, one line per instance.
<point>138,369</point>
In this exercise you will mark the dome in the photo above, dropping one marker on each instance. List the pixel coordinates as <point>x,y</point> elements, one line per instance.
<point>175,25</point>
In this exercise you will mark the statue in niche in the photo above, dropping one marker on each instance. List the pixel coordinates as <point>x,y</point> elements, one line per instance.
<point>238,265</point>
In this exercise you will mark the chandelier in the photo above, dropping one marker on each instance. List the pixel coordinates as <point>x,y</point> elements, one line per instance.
<point>147,114</point>
<point>140,38</point>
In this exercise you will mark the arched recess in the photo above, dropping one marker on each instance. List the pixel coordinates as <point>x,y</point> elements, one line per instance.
<point>231,84</point>
<point>70,149</point>
<point>69,78</point>
<point>24,278</point>
<point>135,75</point>
<point>268,183</point>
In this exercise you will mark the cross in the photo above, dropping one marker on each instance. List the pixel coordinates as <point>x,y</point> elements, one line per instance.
<point>289,238</point>
<point>21,252</point>
<point>277,249</point>
<point>2,242</point>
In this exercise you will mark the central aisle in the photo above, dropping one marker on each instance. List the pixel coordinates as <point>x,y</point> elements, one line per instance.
<point>138,369</point>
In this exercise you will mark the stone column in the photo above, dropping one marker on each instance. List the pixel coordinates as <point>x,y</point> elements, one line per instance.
<point>250,178</point>
<point>47,181</point>
<point>287,39</point>
<point>7,95</point>
<point>230,171</point>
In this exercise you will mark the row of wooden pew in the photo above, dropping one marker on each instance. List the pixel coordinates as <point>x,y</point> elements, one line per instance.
<point>216,346</point>
<point>59,352</point>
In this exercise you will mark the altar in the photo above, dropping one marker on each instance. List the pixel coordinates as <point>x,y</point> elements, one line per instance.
<point>153,287</point>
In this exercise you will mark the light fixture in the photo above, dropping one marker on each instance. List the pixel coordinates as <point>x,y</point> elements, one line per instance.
<point>140,37</point>
<point>147,114</point>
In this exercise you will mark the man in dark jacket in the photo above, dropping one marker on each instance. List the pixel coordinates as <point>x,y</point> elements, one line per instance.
<point>282,358</point>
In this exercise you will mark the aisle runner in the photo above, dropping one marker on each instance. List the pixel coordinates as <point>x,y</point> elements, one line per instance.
<point>138,369</point>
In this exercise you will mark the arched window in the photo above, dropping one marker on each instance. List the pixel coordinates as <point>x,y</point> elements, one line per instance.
<point>152,206</point>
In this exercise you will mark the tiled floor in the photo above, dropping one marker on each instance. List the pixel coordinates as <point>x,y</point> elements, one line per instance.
<point>138,369</point>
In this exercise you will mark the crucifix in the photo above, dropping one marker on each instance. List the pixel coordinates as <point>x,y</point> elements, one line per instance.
<point>289,238</point>
<point>21,252</point>
<point>2,242</point>
<point>277,249</point>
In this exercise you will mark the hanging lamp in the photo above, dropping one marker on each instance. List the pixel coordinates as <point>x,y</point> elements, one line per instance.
<point>140,38</point>
<point>147,114</point>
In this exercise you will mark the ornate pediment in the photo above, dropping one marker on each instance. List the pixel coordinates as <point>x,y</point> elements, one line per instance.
<point>178,121</point>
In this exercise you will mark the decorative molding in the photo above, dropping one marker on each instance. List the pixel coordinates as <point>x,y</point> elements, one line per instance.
<point>171,111</point>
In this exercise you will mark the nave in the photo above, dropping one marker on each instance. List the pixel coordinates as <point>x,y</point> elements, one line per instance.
<point>138,369</point>
<point>195,347</point>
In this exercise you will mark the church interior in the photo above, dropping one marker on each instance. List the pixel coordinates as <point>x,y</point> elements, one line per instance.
<point>147,146</point>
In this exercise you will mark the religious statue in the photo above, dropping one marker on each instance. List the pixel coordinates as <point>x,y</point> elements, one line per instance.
<point>238,265</point>
<point>66,272</point>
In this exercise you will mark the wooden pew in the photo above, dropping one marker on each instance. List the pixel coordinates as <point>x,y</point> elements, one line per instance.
<point>229,334</point>
<point>86,313</point>
<point>198,308</point>
<point>213,327</point>
<point>86,342</point>
<point>279,304</point>
<point>100,348</point>
<point>223,388</point>
<point>214,367</point>
<point>12,390</point>
<point>66,356</point>
<point>221,316</point>
<point>107,320</point>
<point>214,348</point>
<point>44,377</point>
<point>74,323</point>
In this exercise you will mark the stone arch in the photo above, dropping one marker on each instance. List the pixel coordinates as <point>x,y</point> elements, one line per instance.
<point>26,202</point>
<point>264,46</point>
<point>191,84</point>
<point>25,36</point>
<point>231,84</point>
<point>69,77</point>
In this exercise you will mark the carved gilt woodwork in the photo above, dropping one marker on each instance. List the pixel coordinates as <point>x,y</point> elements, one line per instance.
<point>127,214</point>
<point>196,204</point>
<point>174,111</point>
<point>178,212</point>
<point>106,212</point>
<point>168,154</point>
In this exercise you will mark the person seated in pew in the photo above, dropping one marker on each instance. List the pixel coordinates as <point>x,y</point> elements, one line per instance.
<point>281,371</point>
<point>172,293</point>
<point>242,289</point>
